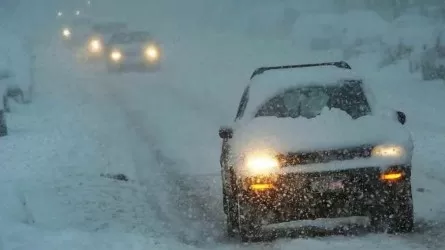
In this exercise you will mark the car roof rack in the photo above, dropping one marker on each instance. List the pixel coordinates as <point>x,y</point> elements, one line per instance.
<point>338,64</point>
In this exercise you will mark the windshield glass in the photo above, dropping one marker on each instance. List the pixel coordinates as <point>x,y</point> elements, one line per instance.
<point>309,101</point>
<point>108,28</point>
<point>125,38</point>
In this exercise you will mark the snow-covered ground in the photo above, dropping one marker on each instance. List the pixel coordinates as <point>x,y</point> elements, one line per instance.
<point>160,130</point>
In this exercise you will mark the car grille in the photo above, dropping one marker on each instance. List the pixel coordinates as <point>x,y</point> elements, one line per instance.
<point>133,53</point>
<point>324,156</point>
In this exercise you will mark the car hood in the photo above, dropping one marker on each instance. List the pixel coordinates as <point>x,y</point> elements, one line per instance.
<point>329,130</point>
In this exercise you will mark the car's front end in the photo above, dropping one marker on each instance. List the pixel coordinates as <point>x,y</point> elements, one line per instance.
<point>323,173</point>
<point>139,57</point>
<point>297,190</point>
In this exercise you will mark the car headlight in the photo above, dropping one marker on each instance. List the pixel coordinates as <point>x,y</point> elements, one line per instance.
<point>152,53</point>
<point>95,45</point>
<point>261,164</point>
<point>116,55</point>
<point>392,151</point>
<point>66,32</point>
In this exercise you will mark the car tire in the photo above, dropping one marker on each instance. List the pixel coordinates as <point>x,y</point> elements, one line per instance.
<point>3,126</point>
<point>249,221</point>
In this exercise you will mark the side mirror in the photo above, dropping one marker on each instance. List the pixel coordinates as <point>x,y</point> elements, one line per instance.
<point>401,117</point>
<point>225,132</point>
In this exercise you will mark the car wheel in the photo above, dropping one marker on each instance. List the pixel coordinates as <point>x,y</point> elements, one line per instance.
<point>3,127</point>
<point>249,221</point>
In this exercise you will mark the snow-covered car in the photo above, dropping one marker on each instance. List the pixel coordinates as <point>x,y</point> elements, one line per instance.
<point>75,32</point>
<point>99,35</point>
<point>310,141</point>
<point>133,50</point>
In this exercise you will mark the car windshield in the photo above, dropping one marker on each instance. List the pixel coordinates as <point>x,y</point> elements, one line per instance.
<point>108,28</point>
<point>309,101</point>
<point>134,37</point>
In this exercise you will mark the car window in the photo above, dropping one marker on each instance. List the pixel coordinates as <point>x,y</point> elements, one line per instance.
<point>242,104</point>
<point>134,37</point>
<point>108,28</point>
<point>309,101</point>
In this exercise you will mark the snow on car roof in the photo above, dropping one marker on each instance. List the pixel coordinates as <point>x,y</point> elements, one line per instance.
<point>270,83</point>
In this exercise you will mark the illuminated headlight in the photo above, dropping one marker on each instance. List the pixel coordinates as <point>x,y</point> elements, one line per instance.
<point>95,46</point>
<point>77,12</point>
<point>59,13</point>
<point>66,33</point>
<point>393,151</point>
<point>261,164</point>
<point>116,55</point>
<point>152,53</point>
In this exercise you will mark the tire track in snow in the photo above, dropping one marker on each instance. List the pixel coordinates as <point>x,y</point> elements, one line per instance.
<point>174,206</point>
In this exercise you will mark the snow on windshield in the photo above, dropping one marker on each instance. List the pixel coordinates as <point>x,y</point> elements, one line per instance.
<point>275,82</point>
<point>309,101</point>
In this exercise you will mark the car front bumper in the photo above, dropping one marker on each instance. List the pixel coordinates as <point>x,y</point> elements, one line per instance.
<point>354,192</point>
<point>135,63</point>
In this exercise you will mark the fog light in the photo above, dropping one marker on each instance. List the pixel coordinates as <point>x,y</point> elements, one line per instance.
<point>392,176</point>
<point>261,187</point>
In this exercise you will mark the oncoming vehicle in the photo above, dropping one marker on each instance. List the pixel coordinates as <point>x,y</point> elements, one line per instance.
<point>310,141</point>
<point>133,50</point>
<point>99,35</point>
<point>76,32</point>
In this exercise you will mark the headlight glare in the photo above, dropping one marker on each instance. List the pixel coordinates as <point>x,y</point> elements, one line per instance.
<point>95,45</point>
<point>116,55</point>
<point>152,53</point>
<point>66,32</point>
<point>260,164</point>
<point>392,151</point>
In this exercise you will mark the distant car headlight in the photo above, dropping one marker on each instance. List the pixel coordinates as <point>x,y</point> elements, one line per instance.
<point>77,12</point>
<point>66,33</point>
<point>152,53</point>
<point>59,13</point>
<point>261,163</point>
<point>116,55</point>
<point>95,46</point>
<point>392,151</point>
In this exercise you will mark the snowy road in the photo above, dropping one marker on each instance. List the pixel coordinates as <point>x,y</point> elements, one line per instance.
<point>160,134</point>
<point>160,130</point>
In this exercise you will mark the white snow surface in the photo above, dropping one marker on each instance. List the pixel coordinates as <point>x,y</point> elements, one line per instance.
<point>161,131</point>
<point>331,129</point>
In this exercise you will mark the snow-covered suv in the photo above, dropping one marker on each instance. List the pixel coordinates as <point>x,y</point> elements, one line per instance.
<point>310,141</point>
